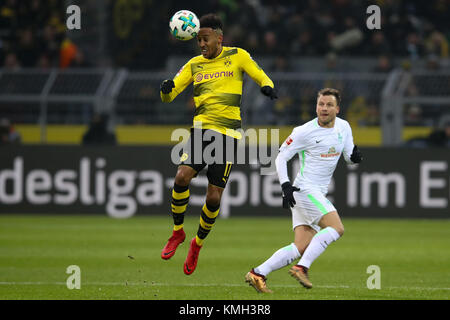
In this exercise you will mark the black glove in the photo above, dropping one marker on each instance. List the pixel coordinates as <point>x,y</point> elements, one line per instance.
<point>167,86</point>
<point>270,92</point>
<point>356,156</point>
<point>288,194</point>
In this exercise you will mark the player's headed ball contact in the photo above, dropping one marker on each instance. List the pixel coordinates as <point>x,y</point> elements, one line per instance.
<point>184,25</point>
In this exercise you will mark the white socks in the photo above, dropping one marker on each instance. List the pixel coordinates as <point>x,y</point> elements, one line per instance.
<point>286,255</point>
<point>318,245</point>
<point>279,259</point>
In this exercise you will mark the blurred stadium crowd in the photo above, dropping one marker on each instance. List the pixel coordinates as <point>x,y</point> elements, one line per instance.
<point>284,35</point>
<point>32,33</point>
<point>411,29</point>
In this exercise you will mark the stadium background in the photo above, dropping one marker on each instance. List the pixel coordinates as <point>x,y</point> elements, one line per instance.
<point>57,84</point>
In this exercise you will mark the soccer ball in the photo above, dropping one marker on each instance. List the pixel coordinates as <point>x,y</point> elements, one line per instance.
<point>184,25</point>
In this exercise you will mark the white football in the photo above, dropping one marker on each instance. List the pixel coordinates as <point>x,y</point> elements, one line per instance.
<point>184,25</point>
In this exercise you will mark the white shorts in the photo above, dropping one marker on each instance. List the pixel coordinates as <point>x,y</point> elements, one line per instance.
<point>310,207</point>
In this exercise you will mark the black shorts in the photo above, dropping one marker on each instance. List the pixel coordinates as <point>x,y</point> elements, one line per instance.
<point>213,149</point>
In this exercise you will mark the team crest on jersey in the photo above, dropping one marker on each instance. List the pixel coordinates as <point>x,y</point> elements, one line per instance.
<point>198,77</point>
<point>227,62</point>
<point>340,137</point>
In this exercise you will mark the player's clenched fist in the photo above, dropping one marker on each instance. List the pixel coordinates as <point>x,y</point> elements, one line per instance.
<point>288,195</point>
<point>356,155</point>
<point>167,86</point>
<point>270,92</point>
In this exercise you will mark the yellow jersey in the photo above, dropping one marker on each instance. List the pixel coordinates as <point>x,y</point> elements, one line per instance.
<point>218,88</point>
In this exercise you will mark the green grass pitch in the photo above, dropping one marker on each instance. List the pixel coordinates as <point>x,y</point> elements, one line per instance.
<point>120,259</point>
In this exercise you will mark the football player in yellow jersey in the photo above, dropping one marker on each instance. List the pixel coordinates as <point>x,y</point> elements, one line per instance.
<point>217,76</point>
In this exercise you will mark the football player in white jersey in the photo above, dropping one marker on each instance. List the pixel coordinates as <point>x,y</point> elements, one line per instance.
<point>316,223</point>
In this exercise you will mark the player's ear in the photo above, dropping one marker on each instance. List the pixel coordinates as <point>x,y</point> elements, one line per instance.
<point>337,109</point>
<point>220,38</point>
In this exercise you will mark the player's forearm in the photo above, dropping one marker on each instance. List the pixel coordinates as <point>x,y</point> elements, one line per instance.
<point>281,166</point>
<point>168,97</point>
<point>266,82</point>
<point>258,75</point>
<point>347,157</point>
<point>170,89</point>
<point>262,79</point>
<point>347,152</point>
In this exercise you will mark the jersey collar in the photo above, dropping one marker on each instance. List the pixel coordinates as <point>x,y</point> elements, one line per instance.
<point>316,122</point>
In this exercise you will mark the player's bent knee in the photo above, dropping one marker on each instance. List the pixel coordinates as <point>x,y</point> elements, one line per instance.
<point>214,202</point>
<point>184,176</point>
<point>213,199</point>
<point>301,247</point>
<point>213,196</point>
<point>340,230</point>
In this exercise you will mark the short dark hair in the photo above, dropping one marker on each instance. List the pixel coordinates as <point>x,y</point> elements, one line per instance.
<point>212,21</point>
<point>330,92</point>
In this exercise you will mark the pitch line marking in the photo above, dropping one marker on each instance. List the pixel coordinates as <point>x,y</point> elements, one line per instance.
<point>156,284</point>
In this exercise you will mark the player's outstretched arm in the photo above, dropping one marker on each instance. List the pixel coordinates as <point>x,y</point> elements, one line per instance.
<point>290,147</point>
<point>257,74</point>
<point>166,91</point>
<point>286,186</point>
<point>351,152</point>
<point>170,89</point>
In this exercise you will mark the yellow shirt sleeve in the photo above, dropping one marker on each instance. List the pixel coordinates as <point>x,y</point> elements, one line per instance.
<point>182,79</point>
<point>255,72</point>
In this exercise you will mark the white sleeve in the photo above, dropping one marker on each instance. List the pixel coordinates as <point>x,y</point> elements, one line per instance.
<point>348,146</point>
<point>293,144</point>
